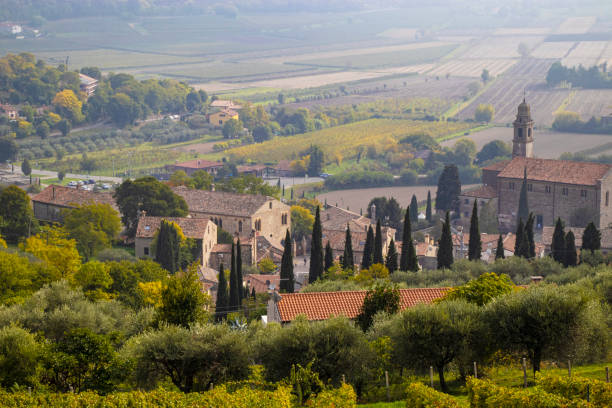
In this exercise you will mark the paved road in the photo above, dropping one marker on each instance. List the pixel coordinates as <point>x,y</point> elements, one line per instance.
<point>293,181</point>
<point>53,174</point>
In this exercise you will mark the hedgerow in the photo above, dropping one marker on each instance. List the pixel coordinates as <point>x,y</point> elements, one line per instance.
<point>421,396</point>
<point>600,393</point>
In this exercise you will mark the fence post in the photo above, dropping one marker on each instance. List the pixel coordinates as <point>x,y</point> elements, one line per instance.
<point>210,387</point>
<point>431,375</point>
<point>475,370</point>
<point>524,372</point>
<point>607,374</point>
<point>343,379</point>
<point>569,367</point>
<point>588,392</point>
<point>387,386</point>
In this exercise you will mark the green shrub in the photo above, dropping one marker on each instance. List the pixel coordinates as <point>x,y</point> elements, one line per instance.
<point>576,388</point>
<point>485,394</point>
<point>343,397</point>
<point>422,396</point>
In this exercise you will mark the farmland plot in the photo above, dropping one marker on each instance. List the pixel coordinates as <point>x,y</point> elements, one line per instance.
<point>606,55</point>
<point>552,49</point>
<point>591,102</point>
<point>548,143</point>
<point>576,25</point>
<point>473,67</point>
<point>500,47</point>
<point>586,53</point>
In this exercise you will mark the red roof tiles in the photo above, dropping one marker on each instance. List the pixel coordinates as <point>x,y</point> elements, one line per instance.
<point>323,305</point>
<point>555,171</point>
<point>487,192</point>
<point>192,227</point>
<point>70,197</point>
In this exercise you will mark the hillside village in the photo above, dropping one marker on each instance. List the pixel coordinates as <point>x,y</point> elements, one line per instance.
<point>305,204</point>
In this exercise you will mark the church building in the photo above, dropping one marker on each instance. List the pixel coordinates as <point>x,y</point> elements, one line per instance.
<point>577,192</point>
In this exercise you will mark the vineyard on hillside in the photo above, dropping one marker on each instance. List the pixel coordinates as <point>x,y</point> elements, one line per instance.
<point>346,140</point>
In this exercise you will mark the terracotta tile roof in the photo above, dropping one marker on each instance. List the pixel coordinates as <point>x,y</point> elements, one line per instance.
<point>222,248</point>
<point>484,239</point>
<point>192,227</point>
<point>199,164</point>
<point>261,283</point>
<point>283,165</point>
<point>481,192</point>
<point>251,167</point>
<point>220,103</point>
<point>336,240</point>
<point>266,249</point>
<point>70,197</point>
<point>556,171</point>
<point>425,249</point>
<point>499,166</point>
<point>222,203</point>
<point>336,218</point>
<point>323,305</point>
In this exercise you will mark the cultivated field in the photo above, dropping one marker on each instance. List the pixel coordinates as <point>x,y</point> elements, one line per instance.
<point>591,102</point>
<point>500,47</point>
<point>552,49</point>
<point>356,199</point>
<point>606,55</point>
<point>345,140</point>
<point>473,67</point>
<point>586,53</point>
<point>548,144</point>
<point>576,25</point>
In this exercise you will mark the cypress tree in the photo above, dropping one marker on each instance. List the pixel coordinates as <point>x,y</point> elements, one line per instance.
<point>571,259</point>
<point>377,256</point>
<point>428,215</point>
<point>519,245</point>
<point>557,246</point>
<point>222,296</point>
<point>348,261</point>
<point>591,238</point>
<point>234,290</point>
<point>449,188</point>
<point>445,245</point>
<point>316,250</point>
<point>529,236</point>
<point>253,294</point>
<point>368,248</point>
<point>408,259</point>
<point>523,207</point>
<point>329,256</point>
<point>239,278</point>
<point>499,252</point>
<point>391,261</point>
<point>475,245</point>
<point>291,193</point>
<point>414,209</point>
<point>167,247</point>
<point>287,280</point>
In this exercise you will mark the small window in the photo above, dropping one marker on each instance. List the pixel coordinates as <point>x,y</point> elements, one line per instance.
<point>529,132</point>
<point>511,186</point>
<point>466,214</point>
<point>146,251</point>
<point>270,204</point>
<point>547,188</point>
<point>529,187</point>
<point>239,226</point>
<point>565,191</point>
<point>467,201</point>
<point>520,133</point>
<point>583,193</point>
<point>220,223</point>
<point>607,198</point>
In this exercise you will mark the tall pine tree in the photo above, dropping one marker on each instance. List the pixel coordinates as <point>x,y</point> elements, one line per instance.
<point>316,250</point>
<point>234,289</point>
<point>529,236</point>
<point>329,256</point>
<point>571,258</point>
<point>408,259</point>
<point>222,296</point>
<point>591,238</point>
<point>391,261</point>
<point>499,252</point>
<point>557,246</point>
<point>414,209</point>
<point>348,261</point>
<point>475,245</point>
<point>239,271</point>
<point>428,214</point>
<point>377,256</point>
<point>287,280</point>
<point>445,245</point>
<point>368,248</point>
<point>523,207</point>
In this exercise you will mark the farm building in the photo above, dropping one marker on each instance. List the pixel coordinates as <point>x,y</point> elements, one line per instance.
<point>190,167</point>
<point>88,84</point>
<point>49,203</point>
<point>219,118</point>
<point>284,308</point>
<point>576,192</point>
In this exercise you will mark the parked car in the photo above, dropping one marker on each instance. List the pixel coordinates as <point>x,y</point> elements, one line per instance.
<point>72,184</point>
<point>324,175</point>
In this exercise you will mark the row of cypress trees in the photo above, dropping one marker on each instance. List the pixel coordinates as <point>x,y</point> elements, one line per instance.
<point>230,299</point>
<point>563,246</point>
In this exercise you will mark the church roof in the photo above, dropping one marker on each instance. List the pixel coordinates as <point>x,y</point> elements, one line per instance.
<point>555,171</point>
<point>481,192</point>
<point>222,203</point>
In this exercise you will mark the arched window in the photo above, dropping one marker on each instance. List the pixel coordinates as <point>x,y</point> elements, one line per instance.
<point>529,132</point>
<point>220,223</point>
<point>239,226</point>
<point>520,133</point>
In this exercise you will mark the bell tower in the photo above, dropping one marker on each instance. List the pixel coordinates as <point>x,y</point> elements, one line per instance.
<point>522,144</point>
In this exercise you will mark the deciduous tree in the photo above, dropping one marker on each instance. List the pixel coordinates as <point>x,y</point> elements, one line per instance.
<point>381,298</point>
<point>182,300</point>
<point>93,226</point>
<point>16,215</point>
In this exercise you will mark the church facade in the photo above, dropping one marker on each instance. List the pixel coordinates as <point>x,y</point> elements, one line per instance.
<point>576,192</point>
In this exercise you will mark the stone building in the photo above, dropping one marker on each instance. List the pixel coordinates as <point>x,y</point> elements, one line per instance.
<point>49,203</point>
<point>201,230</point>
<point>577,192</point>
<point>242,215</point>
